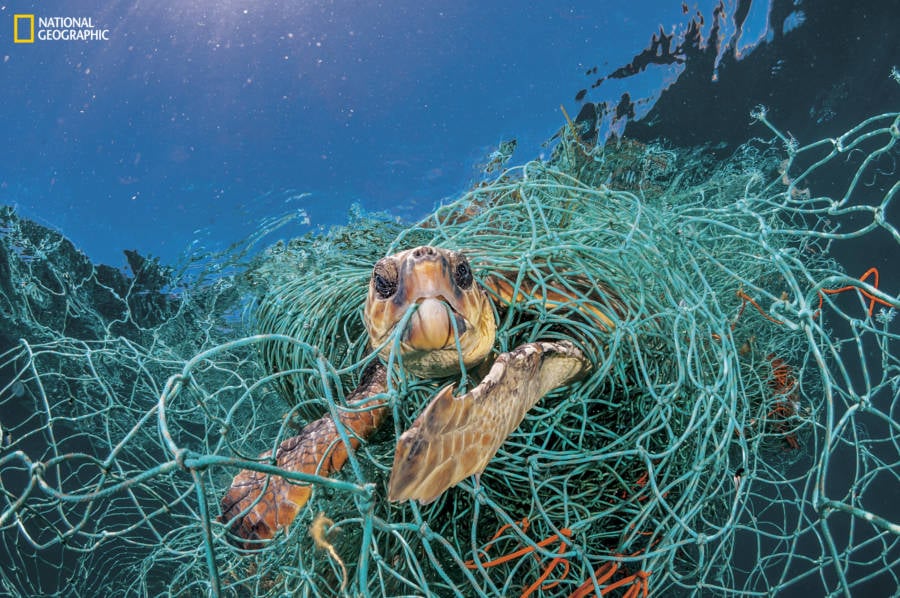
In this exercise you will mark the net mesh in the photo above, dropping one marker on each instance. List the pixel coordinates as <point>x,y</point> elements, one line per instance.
<point>738,435</point>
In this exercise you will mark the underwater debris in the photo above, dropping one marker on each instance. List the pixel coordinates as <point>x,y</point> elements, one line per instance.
<point>499,158</point>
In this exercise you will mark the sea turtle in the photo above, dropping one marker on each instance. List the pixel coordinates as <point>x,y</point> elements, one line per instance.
<point>447,319</point>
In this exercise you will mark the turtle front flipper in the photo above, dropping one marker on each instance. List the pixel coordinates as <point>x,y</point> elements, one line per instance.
<point>258,504</point>
<point>455,437</point>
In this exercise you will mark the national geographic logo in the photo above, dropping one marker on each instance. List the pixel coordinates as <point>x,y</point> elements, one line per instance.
<point>53,29</point>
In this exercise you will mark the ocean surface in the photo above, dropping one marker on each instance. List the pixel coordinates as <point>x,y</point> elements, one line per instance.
<point>193,121</point>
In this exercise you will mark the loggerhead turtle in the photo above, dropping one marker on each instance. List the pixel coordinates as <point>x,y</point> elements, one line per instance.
<point>453,322</point>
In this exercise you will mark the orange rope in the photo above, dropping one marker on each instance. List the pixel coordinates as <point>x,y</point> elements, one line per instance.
<point>588,586</point>
<point>645,581</point>
<point>632,592</point>
<point>745,298</point>
<point>562,577</point>
<point>605,571</point>
<point>638,581</point>
<point>618,584</point>
<point>522,551</point>
<point>533,587</point>
<point>635,589</point>
<point>872,298</point>
<point>783,381</point>
<point>873,272</point>
<point>563,533</point>
<point>523,525</point>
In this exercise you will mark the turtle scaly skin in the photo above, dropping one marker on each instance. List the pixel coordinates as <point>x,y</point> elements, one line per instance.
<point>313,451</point>
<point>453,437</point>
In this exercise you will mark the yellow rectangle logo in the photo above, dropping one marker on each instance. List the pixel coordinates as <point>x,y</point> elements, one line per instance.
<point>23,40</point>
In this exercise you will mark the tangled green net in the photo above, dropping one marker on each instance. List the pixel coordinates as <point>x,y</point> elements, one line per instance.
<point>737,436</point>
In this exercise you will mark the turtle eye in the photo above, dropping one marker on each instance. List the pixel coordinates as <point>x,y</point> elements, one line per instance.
<point>384,287</point>
<point>463,275</point>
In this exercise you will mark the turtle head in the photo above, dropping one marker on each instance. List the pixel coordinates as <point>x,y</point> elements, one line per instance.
<point>438,284</point>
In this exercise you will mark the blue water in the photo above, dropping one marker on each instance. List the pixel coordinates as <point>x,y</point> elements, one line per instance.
<point>195,120</point>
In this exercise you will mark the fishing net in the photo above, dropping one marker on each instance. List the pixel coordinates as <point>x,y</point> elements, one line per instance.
<point>737,435</point>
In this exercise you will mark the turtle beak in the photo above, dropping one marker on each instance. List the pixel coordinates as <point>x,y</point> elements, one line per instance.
<point>431,326</point>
